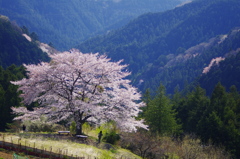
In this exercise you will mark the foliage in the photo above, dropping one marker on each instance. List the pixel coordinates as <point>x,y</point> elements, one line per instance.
<point>41,125</point>
<point>159,114</point>
<point>150,146</point>
<point>111,137</point>
<point>143,144</point>
<point>214,119</point>
<point>14,127</point>
<point>190,109</point>
<point>225,71</point>
<point>80,86</point>
<point>110,132</point>
<point>73,127</point>
<point>8,93</point>
<point>167,47</point>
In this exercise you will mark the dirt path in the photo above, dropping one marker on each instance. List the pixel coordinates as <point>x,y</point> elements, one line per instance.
<point>6,155</point>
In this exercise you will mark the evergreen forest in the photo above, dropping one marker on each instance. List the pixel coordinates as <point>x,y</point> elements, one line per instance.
<point>158,45</point>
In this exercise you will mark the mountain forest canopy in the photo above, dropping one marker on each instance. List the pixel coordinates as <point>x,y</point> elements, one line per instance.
<point>15,48</point>
<point>77,20</point>
<point>152,43</point>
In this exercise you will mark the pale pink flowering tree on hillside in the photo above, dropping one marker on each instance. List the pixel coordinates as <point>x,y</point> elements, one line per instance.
<point>84,87</point>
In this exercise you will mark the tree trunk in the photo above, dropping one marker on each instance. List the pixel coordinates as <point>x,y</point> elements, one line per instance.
<point>78,117</point>
<point>79,128</point>
<point>78,121</point>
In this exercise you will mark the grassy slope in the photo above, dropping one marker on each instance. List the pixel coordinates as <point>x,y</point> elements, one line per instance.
<point>72,148</point>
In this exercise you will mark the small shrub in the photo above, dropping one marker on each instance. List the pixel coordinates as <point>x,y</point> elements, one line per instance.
<point>65,157</point>
<point>41,125</point>
<point>86,128</point>
<point>30,150</point>
<point>21,154</point>
<point>73,127</point>
<point>113,150</point>
<point>13,127</point>
<point>112,137</point>
<point>110,132</point>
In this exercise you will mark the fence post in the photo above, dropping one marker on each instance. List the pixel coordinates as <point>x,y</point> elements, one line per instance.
<point>50,151</point>
<point>42,149</point>
<point>3,140</point>
<point>12,143</point>
<point>19,143</point>
<point>58,152</point>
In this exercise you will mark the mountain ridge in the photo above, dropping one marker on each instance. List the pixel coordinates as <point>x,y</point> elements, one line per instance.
<point>15,48</point>
<point>67,23</point>
<point>154,37</point>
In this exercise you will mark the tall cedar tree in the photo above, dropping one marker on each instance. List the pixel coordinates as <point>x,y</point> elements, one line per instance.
<point>159,114</point>
<point>8,93</point>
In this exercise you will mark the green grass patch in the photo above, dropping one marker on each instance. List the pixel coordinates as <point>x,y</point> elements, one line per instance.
<point>1,149</point>
<point>68,147</point>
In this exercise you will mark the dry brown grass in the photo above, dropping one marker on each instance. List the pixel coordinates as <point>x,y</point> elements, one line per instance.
<point>166,147</point>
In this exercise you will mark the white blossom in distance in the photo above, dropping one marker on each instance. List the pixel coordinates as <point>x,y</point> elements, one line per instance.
<point>86,87</point>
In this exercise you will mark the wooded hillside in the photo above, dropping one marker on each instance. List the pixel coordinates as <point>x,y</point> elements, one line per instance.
<point>151,41</point>
<point>67,23</point>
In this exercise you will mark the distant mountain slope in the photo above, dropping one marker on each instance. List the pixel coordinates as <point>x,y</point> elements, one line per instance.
<point>227,72</point>
<point>151,41</point>
<point>194,63</point>
<point>15,48</point>
<point>66,23</point>
<point>227,68</point>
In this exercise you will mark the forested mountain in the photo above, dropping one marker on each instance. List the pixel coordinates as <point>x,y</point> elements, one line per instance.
<point>152,43</point>
<point>66,23</point>
<point>226,71</point>
<point>15,48</point>
<point>196,62</point>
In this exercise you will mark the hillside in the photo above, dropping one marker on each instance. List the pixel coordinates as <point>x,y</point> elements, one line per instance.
<point>66,23</point>
<point>15,48</point>
<point>226,67</point>
<point>151,41</point>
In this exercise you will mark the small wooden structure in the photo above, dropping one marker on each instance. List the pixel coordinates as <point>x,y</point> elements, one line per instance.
<point>63,132</point>
<point>82,137</point>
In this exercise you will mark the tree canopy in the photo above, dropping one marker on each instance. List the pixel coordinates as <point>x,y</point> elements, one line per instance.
<point>81,87</point>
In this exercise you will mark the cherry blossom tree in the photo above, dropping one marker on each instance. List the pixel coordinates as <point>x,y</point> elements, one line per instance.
<point>84,87</point>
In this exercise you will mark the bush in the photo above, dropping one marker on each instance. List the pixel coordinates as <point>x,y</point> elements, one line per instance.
<point>143,144</point>
<point>112,137</point>
<point>13,127</point>
<point>110,132</point>
<point>42,126</point>
<point>73,127</point>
